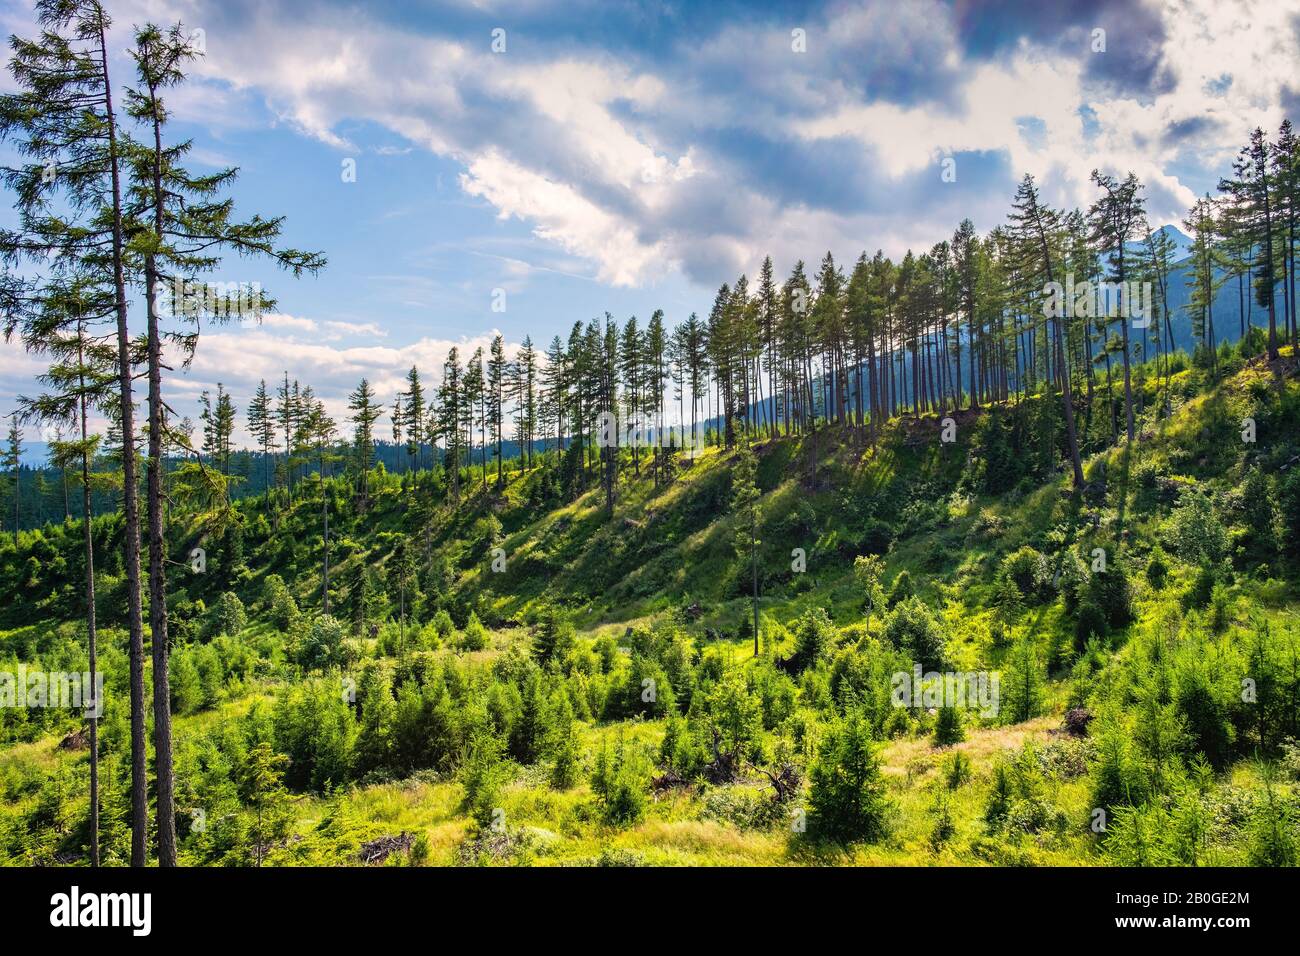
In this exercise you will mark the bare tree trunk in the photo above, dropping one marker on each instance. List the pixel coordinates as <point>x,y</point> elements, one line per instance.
<point>162,719</point>
<point>91,635</point>
<point>162,714</point>
<point>130,499</point>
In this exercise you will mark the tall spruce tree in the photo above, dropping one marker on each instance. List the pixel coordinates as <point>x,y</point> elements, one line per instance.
<point>80,378</point>
<point>13,463</point>
<point>184,228</point>
<point>365,412</point>
<point>1117,218</point>
<point>1034,224</point>
<point>64,121</point>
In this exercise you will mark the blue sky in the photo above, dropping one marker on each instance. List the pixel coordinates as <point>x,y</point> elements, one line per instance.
<point>624,157</point>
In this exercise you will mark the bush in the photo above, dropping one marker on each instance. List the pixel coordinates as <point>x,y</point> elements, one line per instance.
<point>1091,624</point>
<point>228,615</point>
<point>813,637</point>
<point>1259,512</point>
<point>561,743</point>
<point>743,807</point>
<point>1072,581</point>
<point>1008,599</point>
<point>1220,608</point>
<point>186,690</point>
<point>1196,532</point>
<point>475,635</point>
<point>775,692</point>
<point>867,570</point>
<point>998,807</point>
<point>1201,591</point>
<point>1289,506</point>
<point>1157,568</point>
<point>553,636</point>
<point>947,727</point>
<point>944,828</point>
<point>646,691</point>
<point>281,607</point>
<point>957,771</point>
<point>900,590</point>
<point>847,792</point>
<point>912,628</point>
<point>322,645</point>
<point>1272,829</point>
<point>443,625</point>
<point>679,751</point>
<point>1110,590</point>
<point>482,776</point>
<point>1117,778</point>
<point>1029,570</point>
<point>620,780</point>
<point>1021,687</point>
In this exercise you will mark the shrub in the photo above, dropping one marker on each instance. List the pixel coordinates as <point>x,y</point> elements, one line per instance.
<point>1029,570</point>
<point>1021,687</point>
<point>646,691</point>
<point>186,690</point>
<point>944,828</point>
<point>998,807</point>
<point>443,624</point>
<point>1157,568</point>
<point>743,807</point>
<point>847,790</point>
<point>228,615</point>
<point>475,635</point>
<point>281,607</point>
<point>482,776</point>
<point>775,692</point>
<point>619,780</point>
<point>1117,778</point>
<point>679,751</point>
<point>912,628</point>
<point>1203,704</point>
<point>1196,532</point>
<point>1091,624</point>
<point>553,636</point>
<point>1201,591</point>
<point>947,727</point>
<point>1110,590</point>
<point>1289,506</point>
<point>561,743</point>
<point>1220,608</point>
<point>1008,598</point>
<point>1259,511</point>
<point>901,589</point>
<point>1072,580</point>
<point>813,637</point>
<point>867,571</point>
<point>322,645</point>
<point>1273,826</point>
<point>957,771</point>
<point>731,724</point>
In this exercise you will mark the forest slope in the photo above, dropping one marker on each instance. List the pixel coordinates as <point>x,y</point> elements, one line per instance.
<point>597,698</point>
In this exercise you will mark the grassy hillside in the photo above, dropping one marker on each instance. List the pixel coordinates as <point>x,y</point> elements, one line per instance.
<point>595,698</point>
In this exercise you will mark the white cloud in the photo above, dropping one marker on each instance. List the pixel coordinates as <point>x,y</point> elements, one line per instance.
<point>372,329</point>
<point>278,320</point>
<point>561,214</point>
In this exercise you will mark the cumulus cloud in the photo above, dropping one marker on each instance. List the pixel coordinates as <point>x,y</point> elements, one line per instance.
<point>708,157</point>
